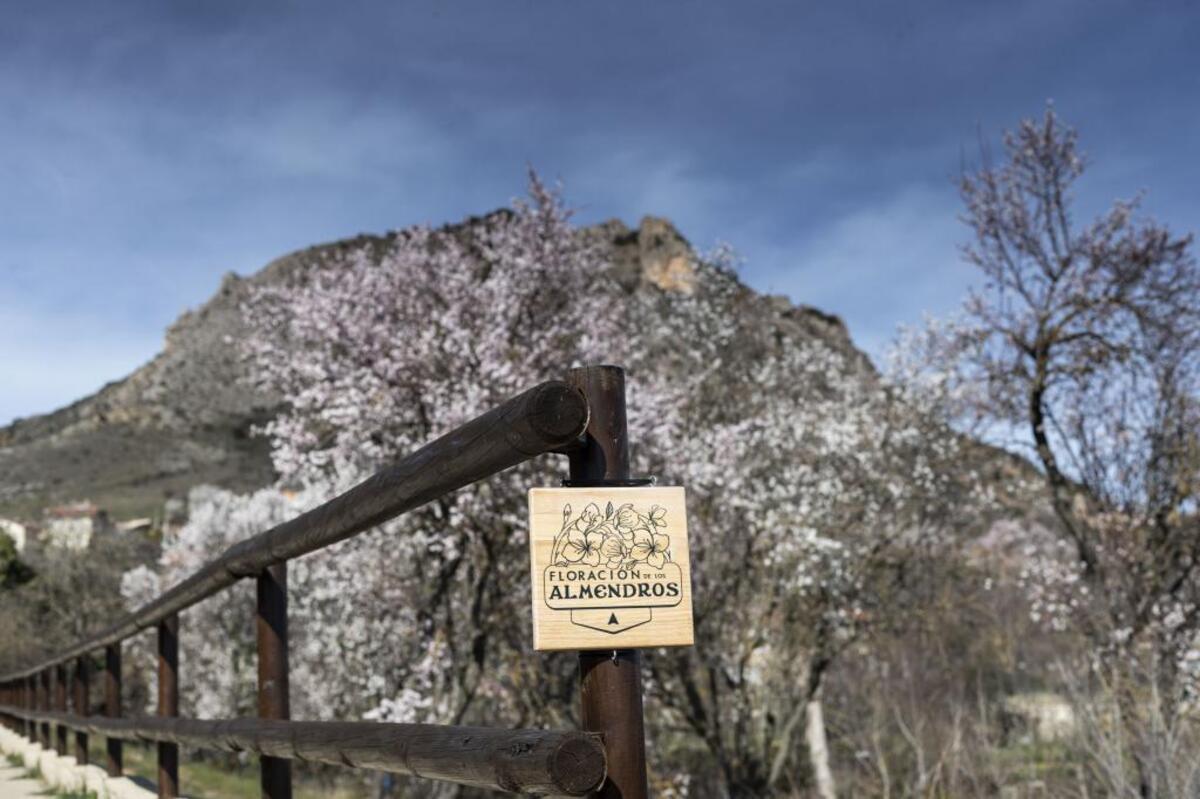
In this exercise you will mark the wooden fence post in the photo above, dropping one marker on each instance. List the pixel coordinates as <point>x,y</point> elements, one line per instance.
<point>112,704</point>
<point>30,704</point>
<point>60,704</point>
<point>35,702</point>
<point>544,419</point>
<point>610,681</point>
<point>271,624</point>
<point>44,704</point>
<point>81,701</point>
<point>168,703</point>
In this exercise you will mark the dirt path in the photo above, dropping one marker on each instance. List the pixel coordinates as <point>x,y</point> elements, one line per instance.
<point>14,784</point>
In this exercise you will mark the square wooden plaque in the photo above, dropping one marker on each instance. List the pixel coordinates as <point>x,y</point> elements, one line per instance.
<point>610,568</point>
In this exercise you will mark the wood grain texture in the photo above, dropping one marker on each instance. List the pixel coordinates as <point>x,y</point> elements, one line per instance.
<point>271,625</point>
<point>81,683</point>
<point>610,683</point>
<point>44,736</point>
<point>520,761</point>
<point>60,704</point>
<point>609,568</point>
<point>168,703</point>
<point>112,707</point>
<point>30,704</point>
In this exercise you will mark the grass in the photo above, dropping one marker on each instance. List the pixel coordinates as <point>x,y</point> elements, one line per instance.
<point>206,779</point>
<point>209,779</point>
<point>1046,762</point>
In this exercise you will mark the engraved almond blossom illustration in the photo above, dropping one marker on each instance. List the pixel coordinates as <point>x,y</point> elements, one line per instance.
<point>650,547</point>
<point>617,538</point>
<point>582,547</point>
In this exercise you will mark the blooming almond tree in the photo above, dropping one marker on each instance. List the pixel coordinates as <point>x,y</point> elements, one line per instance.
<point>821,494</point>
<point>1082,346</point>
<point>811,484</point>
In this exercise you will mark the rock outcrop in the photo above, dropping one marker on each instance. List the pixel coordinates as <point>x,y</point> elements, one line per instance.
<point>188,416</point>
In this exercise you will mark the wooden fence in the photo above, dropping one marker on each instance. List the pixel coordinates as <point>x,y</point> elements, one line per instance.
<point>582,417</point>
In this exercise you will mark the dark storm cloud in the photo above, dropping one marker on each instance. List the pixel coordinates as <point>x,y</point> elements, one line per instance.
<point>145,148</point>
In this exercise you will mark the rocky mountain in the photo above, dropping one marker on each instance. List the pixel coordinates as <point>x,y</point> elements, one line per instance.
<point>187,416</point>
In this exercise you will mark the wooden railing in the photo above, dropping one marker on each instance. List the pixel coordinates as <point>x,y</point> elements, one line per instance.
<point>583,417</point>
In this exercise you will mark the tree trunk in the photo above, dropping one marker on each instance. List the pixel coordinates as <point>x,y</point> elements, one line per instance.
<point>818,749</point>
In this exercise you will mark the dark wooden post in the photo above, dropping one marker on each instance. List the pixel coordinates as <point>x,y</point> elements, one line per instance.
<point>112,704</point>
<point>60,704</point>
<point>81,701</point>
<point>168,703</point>
<point>271,622</point>
<point>610,681</point>
<point>44,704</point>
<point>30,704</point>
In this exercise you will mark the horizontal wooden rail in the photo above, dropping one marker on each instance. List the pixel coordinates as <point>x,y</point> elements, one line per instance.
<point>545,418</point>
<point>521,761</point>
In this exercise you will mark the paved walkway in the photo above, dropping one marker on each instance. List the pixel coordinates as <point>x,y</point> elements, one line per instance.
<point>14,785</point>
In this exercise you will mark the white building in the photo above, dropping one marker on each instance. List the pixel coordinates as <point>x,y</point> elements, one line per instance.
<point>15,531</point>
<point>72,526</point>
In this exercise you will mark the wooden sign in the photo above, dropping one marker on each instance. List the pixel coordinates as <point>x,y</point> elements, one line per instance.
<point>609,568</point>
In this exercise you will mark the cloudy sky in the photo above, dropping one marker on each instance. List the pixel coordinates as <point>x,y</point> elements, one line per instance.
<point>146,148</point>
